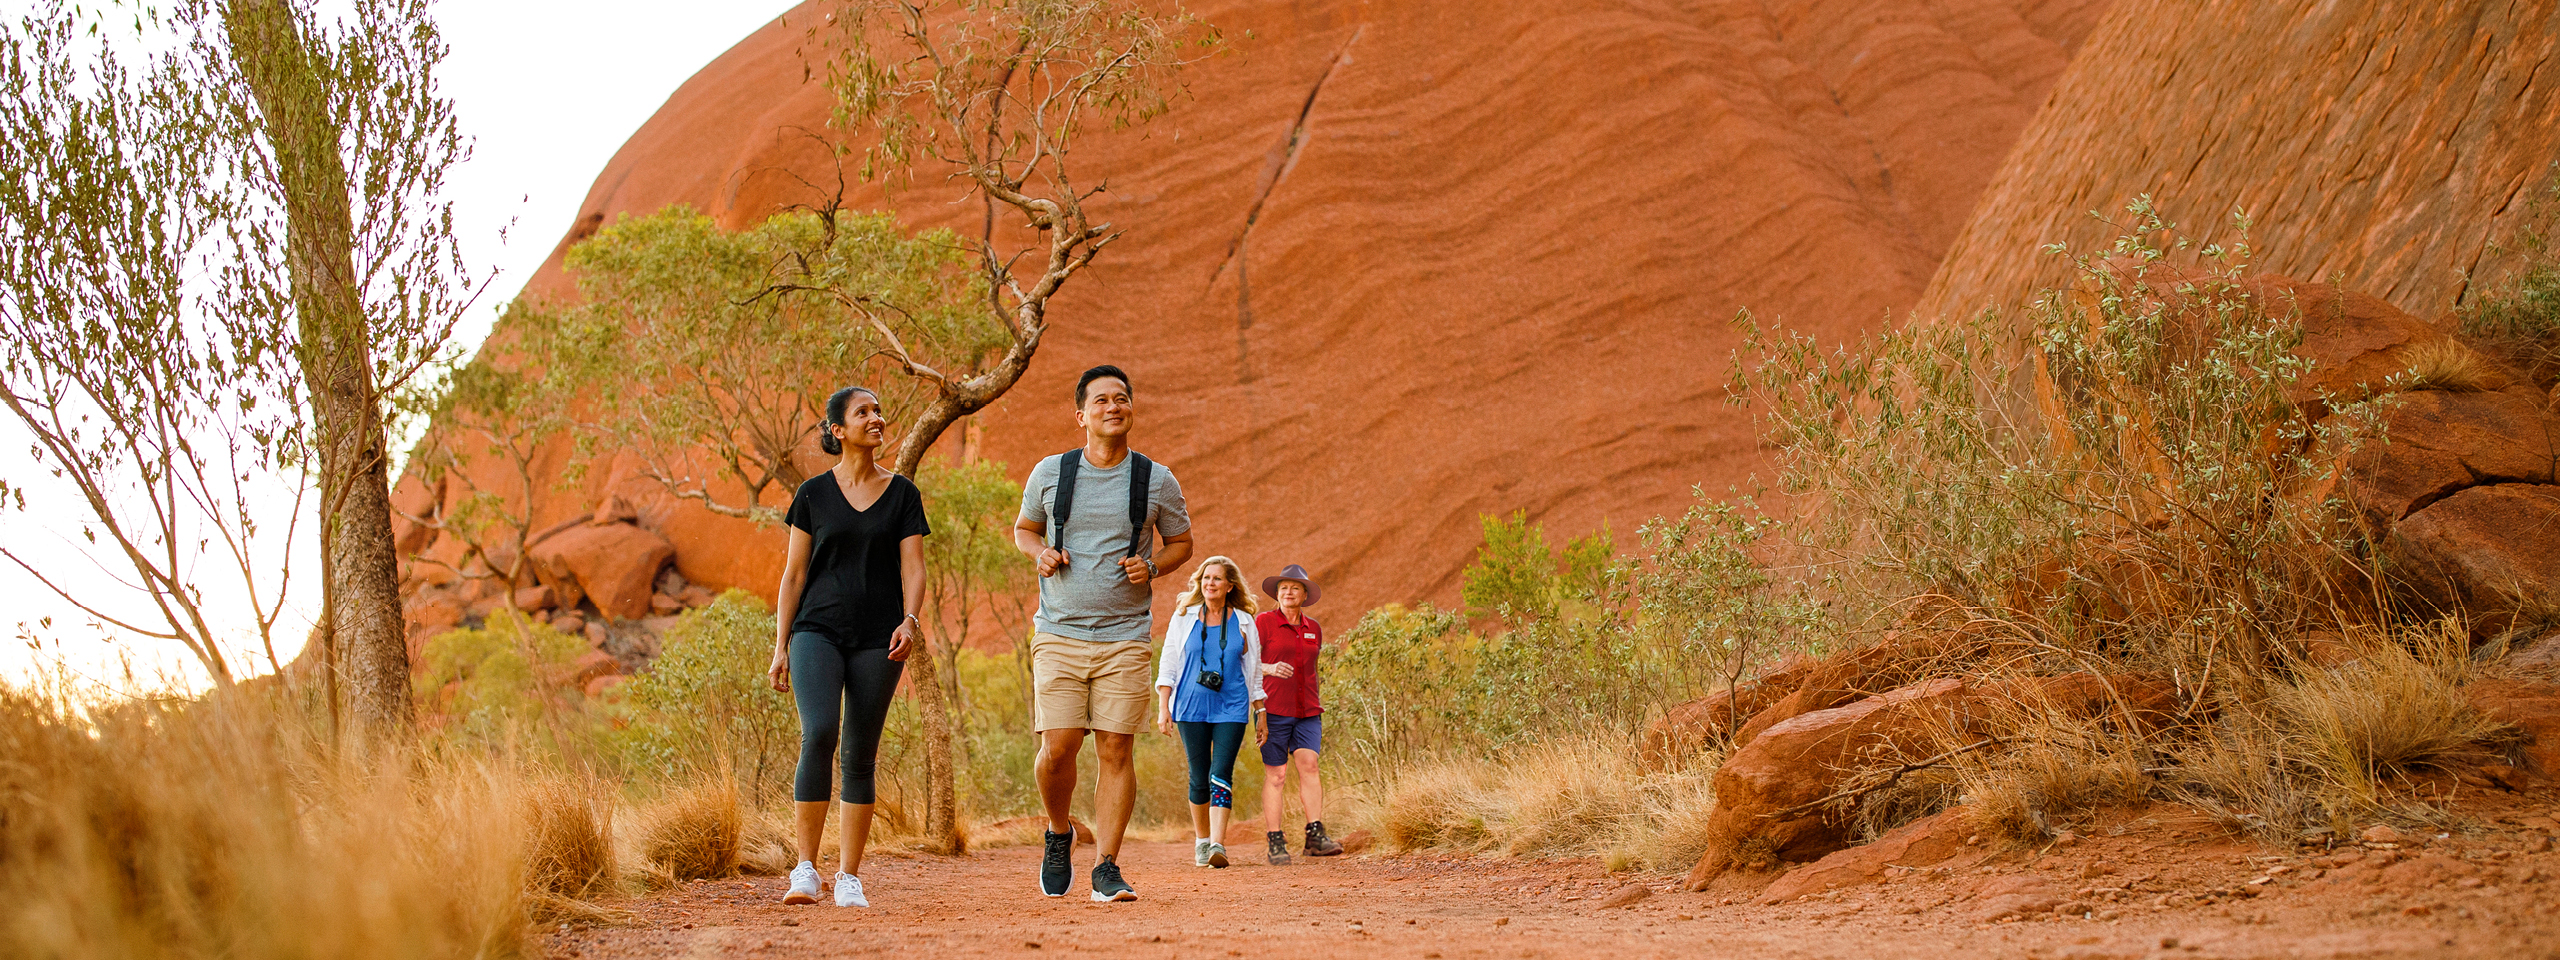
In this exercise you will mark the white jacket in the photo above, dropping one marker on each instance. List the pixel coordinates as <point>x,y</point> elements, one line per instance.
<point>1177,648</point>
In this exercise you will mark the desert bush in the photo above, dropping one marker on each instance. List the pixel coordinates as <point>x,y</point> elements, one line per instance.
<point>1589,641</point>
<point>704,706</point>
<point>2126,476</point>
<point>497,684</point>
<point>225,827</point>
<point>1516,577</point>
<point>695,833</point>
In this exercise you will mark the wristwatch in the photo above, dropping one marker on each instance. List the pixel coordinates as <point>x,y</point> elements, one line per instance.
<point>1151,566</point>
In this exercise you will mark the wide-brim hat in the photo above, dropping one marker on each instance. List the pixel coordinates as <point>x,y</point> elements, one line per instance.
<point>1271,584</point>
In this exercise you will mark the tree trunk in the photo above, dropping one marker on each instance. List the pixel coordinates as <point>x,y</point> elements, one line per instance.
<point>335,348</point>
<point>941,808</point>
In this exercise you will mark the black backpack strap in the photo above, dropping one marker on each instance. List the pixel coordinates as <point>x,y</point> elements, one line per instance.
<point>1141,471</point>
<point>1066,495</point>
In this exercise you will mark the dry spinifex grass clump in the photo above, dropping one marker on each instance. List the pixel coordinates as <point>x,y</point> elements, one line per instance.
<point>220,828</point>
<point>695,834</point>
<point>2325,747</point>
<point>1582,796</point>
<point>568,850</point>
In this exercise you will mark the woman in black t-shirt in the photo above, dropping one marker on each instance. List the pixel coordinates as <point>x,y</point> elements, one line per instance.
<point>852,581</point>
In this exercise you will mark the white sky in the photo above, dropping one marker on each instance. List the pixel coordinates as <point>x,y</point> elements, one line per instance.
<point>548,90</point>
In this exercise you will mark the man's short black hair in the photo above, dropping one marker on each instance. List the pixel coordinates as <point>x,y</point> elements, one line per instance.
<point>1097,373</point>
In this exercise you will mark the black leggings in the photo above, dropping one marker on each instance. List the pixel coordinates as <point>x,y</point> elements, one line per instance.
<point>1212,747</point>
<point>828,680</point>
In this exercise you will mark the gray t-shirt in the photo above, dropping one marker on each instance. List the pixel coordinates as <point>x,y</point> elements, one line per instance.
<point>1090,598</point>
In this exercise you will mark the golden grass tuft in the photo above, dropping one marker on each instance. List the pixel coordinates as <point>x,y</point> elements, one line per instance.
<point>227,828</point>
<point>2397,708</point>
<point>569,850</point>
<point>1447,805</point>
<point>696,834</point>
<point>2447,364</point>
<point>2325,747</point>
<point>1577,797</point>
<point>2056,770</point>
<point>764,846</point>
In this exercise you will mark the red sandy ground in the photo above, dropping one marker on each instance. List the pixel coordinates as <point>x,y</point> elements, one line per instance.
<point>2492,890</point>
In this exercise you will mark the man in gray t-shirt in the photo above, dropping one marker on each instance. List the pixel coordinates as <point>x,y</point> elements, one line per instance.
<point>1089,648</point>
<point>1091,597</point>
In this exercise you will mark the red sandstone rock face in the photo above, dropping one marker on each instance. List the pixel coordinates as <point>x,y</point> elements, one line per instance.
<point>1493,273</point>
<point>2389,142</point>
<point>2440,443</point>
<point>2534,710</point>
<point>2490,552</point>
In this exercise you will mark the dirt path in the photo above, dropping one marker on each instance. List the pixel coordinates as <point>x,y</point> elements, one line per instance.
<point>2495,895</point>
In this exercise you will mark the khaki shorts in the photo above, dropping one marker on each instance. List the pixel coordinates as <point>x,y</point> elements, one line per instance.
<point>1089,685</point>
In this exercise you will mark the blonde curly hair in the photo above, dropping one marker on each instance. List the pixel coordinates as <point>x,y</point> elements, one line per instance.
<point>1238,596</point>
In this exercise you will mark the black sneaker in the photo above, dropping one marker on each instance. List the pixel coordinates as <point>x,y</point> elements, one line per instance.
<point>1319,845</point>
<point>1279,847</point>
<point>1057,863</point>
<point>1107,885</point>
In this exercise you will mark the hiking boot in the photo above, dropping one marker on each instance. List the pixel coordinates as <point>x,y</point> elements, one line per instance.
<point>1107,885</point>
<point>1057,862</point>
<point>1319,845</point>
<point>1200,852</point>
<point>1279,847</point>
<point>1217,854</point>
<point>804,884</point>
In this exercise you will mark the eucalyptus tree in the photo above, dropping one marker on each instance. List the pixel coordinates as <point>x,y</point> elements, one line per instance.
<point>342,141</point>
<point>690,351</point>
<point>153,412</point>
<point>232,262</point>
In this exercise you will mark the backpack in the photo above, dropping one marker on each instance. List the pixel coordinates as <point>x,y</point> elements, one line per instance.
<point>1141,473</point>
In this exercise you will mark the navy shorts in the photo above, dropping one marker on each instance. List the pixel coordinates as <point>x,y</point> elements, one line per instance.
<point>1289,735</point>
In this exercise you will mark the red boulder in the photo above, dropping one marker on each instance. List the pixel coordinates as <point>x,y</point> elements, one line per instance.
<point>2490,552</point>
<point>614,565</point>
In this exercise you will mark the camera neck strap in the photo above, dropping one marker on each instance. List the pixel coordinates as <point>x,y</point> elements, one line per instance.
<point>1201,649</point>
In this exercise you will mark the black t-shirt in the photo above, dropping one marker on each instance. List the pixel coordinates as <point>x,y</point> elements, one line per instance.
<point>852,595</point>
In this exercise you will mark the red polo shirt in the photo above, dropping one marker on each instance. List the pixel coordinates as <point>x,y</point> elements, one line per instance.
<point>1291,696</point>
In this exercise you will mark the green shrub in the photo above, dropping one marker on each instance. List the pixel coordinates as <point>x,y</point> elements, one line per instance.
<point>495,683</point>
<point>705,704</point>
<point>1516,578</point>
<point>2127,474</point>
<point>2519,315</point>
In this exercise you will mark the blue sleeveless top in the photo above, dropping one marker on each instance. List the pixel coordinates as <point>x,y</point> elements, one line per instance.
<point>1232,702</point>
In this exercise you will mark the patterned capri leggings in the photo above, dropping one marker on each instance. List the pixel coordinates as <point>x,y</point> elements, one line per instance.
<point>1212,747</point>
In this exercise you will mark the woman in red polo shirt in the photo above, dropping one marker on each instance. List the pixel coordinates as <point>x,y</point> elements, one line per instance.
<point>1290,641</point>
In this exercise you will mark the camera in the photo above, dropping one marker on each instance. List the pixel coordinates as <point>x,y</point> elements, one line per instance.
<point>1212,679</point>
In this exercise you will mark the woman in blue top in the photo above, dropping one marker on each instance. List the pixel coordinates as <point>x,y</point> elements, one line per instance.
<point>1209,687</point>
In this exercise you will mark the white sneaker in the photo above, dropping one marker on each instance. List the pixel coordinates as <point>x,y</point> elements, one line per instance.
<point>849,891</point>
<point>804,884</point>
<point>1200,851</point>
